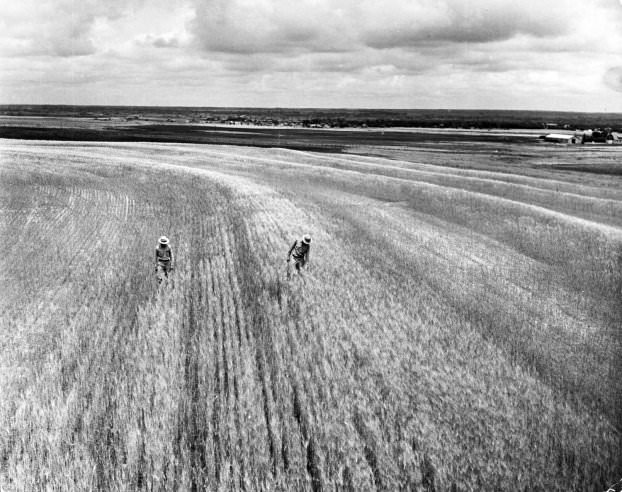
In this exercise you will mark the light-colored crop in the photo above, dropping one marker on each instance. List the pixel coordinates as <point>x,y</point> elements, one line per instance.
<point>455,327</point>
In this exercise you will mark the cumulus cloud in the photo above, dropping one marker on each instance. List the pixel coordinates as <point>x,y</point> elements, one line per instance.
<point>251,26</point>
<point>167,40</point>
<point>613,78</point>
<point>441,53</point>
<point>453,21</point>
<point>61,28</point>
<point>245,26</point>
<point>401,45</point>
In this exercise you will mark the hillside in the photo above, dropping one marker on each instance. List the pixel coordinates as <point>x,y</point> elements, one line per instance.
<point>458,325</point>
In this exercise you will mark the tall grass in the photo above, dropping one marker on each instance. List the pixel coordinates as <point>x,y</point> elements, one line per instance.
<point>538,272</point>
<point>439,341</point>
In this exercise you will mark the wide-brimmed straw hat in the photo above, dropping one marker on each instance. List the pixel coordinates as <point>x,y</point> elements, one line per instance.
<point>163,240</point>
<point>306,239</point>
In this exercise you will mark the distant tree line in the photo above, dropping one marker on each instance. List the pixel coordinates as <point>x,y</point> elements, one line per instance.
<point>333,118</point>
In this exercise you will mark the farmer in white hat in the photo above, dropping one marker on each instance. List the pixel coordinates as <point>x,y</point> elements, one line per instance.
<point>163,258</point>
<point>300,252</point>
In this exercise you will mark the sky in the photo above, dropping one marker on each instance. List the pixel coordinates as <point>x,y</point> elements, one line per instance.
<point>563,55</point>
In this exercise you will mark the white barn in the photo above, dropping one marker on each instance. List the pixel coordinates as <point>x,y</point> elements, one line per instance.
<point>561,138</point>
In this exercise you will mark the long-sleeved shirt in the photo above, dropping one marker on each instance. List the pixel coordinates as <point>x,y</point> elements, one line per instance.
<point>300,251</point>
<point>164,256</point>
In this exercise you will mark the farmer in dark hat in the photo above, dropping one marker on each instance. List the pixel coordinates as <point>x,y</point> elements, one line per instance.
<point>163,258</point>
<point>300,252</point>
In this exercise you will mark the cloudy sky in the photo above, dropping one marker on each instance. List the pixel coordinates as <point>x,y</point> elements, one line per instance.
<point>506,54</point>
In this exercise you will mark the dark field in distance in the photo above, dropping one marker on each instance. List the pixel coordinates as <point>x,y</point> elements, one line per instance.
<point>334,118</point>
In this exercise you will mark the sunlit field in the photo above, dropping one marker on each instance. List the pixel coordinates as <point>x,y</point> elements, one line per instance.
<point>457,328</point>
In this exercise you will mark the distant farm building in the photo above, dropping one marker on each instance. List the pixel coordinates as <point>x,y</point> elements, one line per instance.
<point>561,138</point>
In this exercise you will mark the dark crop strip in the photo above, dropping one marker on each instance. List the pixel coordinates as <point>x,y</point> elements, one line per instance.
<point>295,139</point>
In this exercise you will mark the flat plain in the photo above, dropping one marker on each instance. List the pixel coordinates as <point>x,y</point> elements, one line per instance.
<point>458,327</point>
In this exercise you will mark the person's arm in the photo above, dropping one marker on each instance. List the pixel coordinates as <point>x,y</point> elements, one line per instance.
<point>307,255</point>
<point>171,253</point>
<point>289,253</point>
<point>156,258</point>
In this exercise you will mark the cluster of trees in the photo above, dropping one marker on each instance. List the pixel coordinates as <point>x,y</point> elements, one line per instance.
<point>599,135</point>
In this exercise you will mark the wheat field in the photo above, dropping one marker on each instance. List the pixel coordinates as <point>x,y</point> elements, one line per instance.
<point>457,329</point>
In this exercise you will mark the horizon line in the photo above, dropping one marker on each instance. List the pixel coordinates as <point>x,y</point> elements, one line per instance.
<point>302,108</point>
